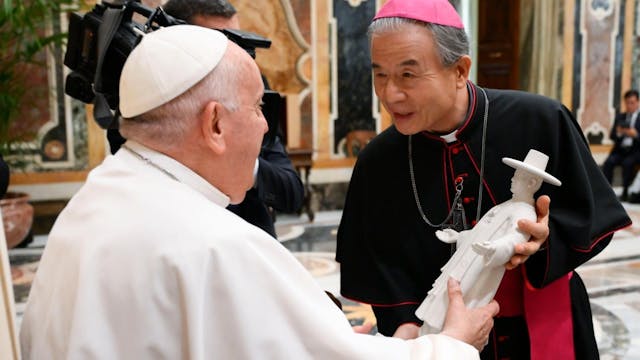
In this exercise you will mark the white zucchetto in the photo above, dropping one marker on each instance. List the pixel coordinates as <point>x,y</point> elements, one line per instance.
<point>165,64</point>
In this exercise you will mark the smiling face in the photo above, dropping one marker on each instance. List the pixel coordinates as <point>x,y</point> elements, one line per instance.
<point>419,92</point>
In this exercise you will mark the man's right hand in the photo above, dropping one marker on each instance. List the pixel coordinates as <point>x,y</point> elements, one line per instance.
<point>472,326</point>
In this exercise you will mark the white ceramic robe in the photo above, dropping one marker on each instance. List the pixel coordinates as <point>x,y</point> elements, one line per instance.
<point>478,262</point>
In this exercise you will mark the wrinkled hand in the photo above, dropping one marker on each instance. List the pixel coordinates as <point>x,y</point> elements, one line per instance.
<point>539,232</point>
<point>472,326</point>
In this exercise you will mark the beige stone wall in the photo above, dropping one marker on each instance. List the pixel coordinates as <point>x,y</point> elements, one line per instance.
<point>287,64</point>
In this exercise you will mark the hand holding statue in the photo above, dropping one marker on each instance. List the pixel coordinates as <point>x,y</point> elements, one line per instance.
<point>504,238</point>
<point>472,326</point>
<point>539,232</point>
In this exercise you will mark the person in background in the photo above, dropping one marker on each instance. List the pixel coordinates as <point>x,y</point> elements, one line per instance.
<point>439,166</point>
<point>626,143</point>
<point>180,276</point>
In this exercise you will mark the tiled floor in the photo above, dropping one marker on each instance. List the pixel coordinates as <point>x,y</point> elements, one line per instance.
<point>612,278</point>
<point>613,282</point>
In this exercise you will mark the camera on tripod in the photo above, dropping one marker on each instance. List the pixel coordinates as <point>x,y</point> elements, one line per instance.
<point>100,41</point>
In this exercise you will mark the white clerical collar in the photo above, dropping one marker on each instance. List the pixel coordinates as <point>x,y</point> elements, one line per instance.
<point>176,169</point>
<point>450,137</point>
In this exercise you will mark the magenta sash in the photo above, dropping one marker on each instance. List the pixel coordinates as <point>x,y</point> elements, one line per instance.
<point>548,315</point>
<point>547,312</point>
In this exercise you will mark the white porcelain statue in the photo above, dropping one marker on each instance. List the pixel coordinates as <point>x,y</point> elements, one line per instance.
<point>478,262</point>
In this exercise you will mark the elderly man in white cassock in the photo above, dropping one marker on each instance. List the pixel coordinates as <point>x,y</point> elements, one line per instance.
<point>170,283</point>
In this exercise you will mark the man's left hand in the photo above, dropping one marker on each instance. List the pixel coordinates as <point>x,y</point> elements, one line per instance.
<point>539,233</point>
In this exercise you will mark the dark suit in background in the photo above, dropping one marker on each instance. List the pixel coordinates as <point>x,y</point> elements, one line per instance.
<point>625,152</point>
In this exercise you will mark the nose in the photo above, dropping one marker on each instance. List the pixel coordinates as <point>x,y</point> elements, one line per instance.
<point>265,125</point>
<point>392,93</point>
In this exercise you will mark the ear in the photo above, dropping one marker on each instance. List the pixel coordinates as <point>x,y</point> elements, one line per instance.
<point>212,128</point>
<point>463,67</point>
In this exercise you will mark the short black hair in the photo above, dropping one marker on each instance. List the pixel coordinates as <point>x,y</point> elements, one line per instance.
<point>188,9</point>
<point>632,93</point>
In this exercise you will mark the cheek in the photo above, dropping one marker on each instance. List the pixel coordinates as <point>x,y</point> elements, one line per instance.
<point>248,129</point>
<point>252,134</point>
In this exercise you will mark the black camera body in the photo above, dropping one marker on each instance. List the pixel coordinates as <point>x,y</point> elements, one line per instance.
<point>100,41</point>
<point>82,53</point>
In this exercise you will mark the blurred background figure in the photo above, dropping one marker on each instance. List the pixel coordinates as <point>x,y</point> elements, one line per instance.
<point>626,149</point>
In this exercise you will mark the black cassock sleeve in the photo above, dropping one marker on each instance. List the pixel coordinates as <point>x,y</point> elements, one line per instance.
<point>584,211</point>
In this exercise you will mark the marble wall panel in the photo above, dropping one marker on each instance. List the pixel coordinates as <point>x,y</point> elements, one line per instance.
<point>51,132</point>
<point>278,63</point>
<point>605,63</point>
<point>599,28</point>
<point>287,63</point>
<point>353,69</point>
<point>635,83</point>
<point>302,11</point>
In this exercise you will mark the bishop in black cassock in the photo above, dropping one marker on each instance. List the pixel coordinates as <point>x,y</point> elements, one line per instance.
<point>390,257</point>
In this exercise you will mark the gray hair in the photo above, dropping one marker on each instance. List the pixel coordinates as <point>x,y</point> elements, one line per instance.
<point>170,122</point>
<point>452,42</point>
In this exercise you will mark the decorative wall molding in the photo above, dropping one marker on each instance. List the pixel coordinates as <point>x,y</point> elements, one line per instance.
<point>58,137</point>
<point>600,9</point>
<point>599,28</point>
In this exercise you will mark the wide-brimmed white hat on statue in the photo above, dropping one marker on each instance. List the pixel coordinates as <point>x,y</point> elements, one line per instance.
<point>535,163</point>
<point>166,63</point>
